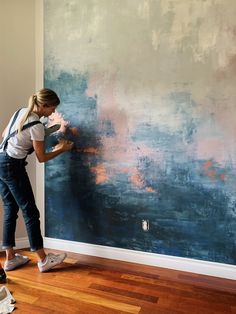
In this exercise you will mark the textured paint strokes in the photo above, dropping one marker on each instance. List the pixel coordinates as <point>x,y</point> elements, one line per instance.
<point>148,96</point>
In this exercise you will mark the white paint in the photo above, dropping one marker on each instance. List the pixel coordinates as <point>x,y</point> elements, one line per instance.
<point>165,261</point>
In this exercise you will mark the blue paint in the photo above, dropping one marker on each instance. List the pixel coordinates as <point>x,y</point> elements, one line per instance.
<point>190,215</point>
<point>107,128</point>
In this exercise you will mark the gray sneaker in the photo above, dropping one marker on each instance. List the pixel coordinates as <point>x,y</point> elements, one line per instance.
<point>17,261</point>
<point>51,261</point>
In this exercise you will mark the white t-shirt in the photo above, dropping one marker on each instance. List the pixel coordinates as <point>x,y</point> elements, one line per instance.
<point>19,145</point>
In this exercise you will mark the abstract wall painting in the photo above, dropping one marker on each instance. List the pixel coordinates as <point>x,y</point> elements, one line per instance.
<point>148,96</point>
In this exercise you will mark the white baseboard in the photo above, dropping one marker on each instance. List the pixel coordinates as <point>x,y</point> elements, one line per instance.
<point>165,261</point>
<point>21,243</point>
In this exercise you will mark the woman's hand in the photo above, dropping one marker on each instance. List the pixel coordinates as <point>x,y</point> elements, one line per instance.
<point>63,145</point>
<point>43,156</point>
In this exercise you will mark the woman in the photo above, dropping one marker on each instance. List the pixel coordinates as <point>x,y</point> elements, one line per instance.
<point>23,134</point>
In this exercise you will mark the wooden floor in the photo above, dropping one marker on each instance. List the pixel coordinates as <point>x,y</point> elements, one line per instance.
<point>85,284</point>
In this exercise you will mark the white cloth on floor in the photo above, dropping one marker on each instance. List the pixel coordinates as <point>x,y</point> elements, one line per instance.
<point>6,301</point>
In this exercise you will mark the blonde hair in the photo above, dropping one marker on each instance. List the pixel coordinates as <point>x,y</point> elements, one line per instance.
<point>44,97</point>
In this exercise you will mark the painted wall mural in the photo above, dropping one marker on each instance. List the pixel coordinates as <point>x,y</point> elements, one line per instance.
<point>148,94</point>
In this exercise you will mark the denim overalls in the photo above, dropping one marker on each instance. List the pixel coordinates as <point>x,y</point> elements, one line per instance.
<point>16,192</point>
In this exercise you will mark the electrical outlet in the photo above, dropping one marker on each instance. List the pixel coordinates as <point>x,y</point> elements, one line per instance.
<point>145,224</point>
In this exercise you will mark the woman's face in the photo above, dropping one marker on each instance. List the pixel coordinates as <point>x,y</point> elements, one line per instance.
<point>48,110</point>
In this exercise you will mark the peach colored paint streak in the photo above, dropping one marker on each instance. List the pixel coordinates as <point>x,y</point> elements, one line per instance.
<point>211,174</point>
<point>149,189</point>
<point>137,180</point>
<point>101,174</point>
<point>208,164</point>
<point>206,167</point>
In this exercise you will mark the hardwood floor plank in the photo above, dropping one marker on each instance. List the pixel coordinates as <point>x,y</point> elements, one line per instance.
<point>23,297</point>
<point>26,308</point>
<point>85,297</point>
<point>192,305</point>
<point>159,310</point>
<point>122,292</point>
<point>70,306</point>
<point>91,285</point>
<point>211,282</point>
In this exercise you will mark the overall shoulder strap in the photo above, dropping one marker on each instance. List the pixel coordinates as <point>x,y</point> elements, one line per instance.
<point>14,120</point>
<point>11,125</point>
<point>26,126</point>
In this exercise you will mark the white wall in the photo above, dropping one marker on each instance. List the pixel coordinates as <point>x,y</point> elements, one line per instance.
<point>17,68</point>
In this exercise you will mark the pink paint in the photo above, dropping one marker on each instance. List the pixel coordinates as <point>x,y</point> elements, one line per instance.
<point>136,180</point>
<point>118,150</point>
<point>105,92</point>
<point>101,173</point>
<point>212,148</point>
<point>57,118</point>
<point>94,84</point>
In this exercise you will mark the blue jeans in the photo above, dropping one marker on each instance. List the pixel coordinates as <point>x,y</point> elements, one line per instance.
<point>16,192</point>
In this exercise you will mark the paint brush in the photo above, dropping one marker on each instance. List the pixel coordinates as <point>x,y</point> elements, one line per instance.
<point>52,129</point>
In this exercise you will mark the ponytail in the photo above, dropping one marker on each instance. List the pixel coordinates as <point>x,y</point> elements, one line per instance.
<point>32,102</point>
<point>44,97</point>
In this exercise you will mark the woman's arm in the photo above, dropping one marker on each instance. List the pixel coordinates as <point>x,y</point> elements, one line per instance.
<point>43,156</point>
